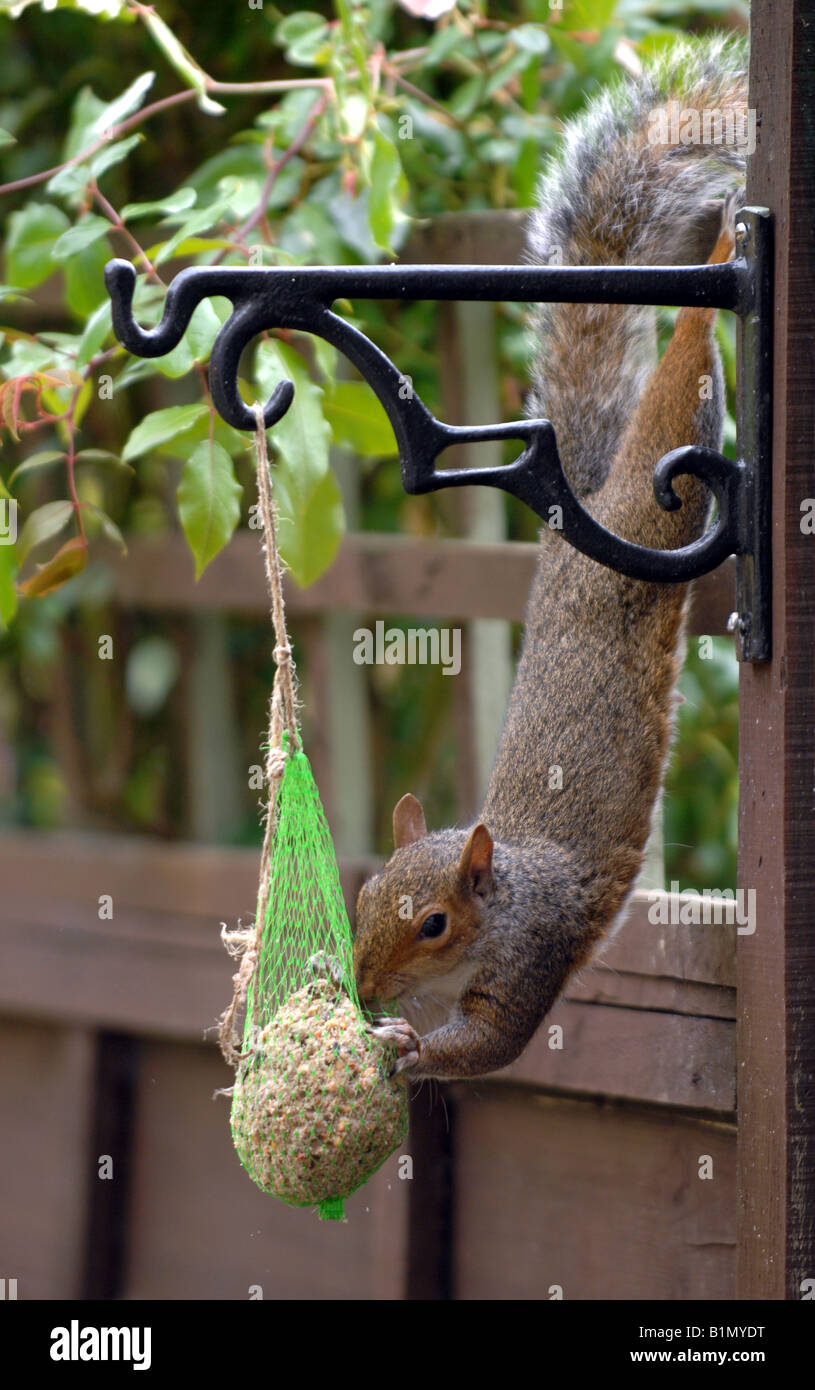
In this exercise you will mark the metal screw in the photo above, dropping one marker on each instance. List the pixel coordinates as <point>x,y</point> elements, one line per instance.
<point>735,623</point>
<point>742,232</point>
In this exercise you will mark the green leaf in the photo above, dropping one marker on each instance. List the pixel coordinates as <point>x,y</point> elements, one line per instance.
<point>192,246</point>
<point>310,503</point>
<point>443,43</point>
<point>78,237</point>
<point>358,421</point>
<point>308,233</point>
<point>27,356</point>
<point>175,203</point>
<point>11,292</point>
<point>69,560</point>
<point>8,574</point>
<point>103,456</point>
<point>41,525</point>
<point>355,112</point>
<point>32,234</point>
<point>236,162</point>
<point>196,343</point>
<point>313,50</point>
<point>160,426</point>
<point>305,37</point>
<point>107,525</point>
<point>96,330</point>
<point>183,62</point>
<point>294,26</point>
<point>113,154</point>
<point>35,461</point>
<point>69,183</point>
<point>202,220</point>
<point>233,441</point>
<point>302,437</point>
<point>387,183</point>
<point>349,216</point>
<point>525,172</point>
<point>532,38</point>
<point>208,502</point>
<point>177,362</point>
<point>85,112</point>
<point>590,14</point>
<point>310,535</point>
<point>85,279</point>
<point>204,327</point>
<point>124,105</point>
<point>6,138</point>
<point>137,369</point>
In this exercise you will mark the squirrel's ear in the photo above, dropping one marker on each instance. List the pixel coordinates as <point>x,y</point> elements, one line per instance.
<point>408,821</point>
<point>476,860</point>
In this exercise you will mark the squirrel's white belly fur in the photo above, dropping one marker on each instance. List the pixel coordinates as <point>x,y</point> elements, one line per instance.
<point>435,1002</point>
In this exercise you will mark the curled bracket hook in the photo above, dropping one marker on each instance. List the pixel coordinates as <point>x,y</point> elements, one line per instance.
<point>186,292</point>
<point>301,298</point>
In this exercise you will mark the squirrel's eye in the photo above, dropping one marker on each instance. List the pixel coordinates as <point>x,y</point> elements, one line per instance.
<point>433,925</point>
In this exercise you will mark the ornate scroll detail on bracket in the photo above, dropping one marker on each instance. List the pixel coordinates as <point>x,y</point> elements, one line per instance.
<point>301,298</point>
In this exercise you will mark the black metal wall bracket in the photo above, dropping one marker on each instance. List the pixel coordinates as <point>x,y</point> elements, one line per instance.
<point>301,298</point>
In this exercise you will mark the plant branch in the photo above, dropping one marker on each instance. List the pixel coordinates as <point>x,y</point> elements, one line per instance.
<point>70,464</point>
<point>417,92</point>
<point>274,172</point>
<point>176,99</point>
<point>110,212</point>
<point>113,134</point>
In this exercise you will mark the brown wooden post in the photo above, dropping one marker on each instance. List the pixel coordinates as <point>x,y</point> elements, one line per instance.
<point>776,1031</point>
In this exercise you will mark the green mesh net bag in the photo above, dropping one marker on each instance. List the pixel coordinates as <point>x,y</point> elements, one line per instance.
<point>315,1109</point>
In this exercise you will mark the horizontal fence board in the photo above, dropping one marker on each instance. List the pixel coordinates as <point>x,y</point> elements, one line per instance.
<point>497,237</point>
<point>651,992</point>
<point>600,1201</point>
<point>150,874</point>
<point>649,1021</point>
<point>158,966</point>
<point>468,238</point>
<point>633,1054</point>
<point>678,951</point>
<point>374,573</point>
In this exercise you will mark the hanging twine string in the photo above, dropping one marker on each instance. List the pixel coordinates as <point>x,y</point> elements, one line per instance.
<point>245,944</point>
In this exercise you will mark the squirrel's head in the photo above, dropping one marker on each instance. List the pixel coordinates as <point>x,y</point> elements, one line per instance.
<point>417,916</point>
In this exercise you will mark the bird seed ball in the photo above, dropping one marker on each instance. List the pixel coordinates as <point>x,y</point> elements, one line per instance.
<point>317,1114</point>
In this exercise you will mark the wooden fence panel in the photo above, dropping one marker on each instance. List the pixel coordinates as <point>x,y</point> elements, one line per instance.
<point>46,1098</point>
<point>650,1020</point>
<point>200,1228</point>
<point>600,1201</point>
<point>375,573</point>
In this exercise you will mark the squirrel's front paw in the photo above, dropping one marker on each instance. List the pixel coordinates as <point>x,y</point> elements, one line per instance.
<point>323,966</point>
<point>397,1032</point>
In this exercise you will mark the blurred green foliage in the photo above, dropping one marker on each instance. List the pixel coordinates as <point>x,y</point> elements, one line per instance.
<point>700,811</point>
<point>422,117</point>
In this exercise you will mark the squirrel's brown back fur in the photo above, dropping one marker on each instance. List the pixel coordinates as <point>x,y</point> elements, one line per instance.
<point>500,915</point>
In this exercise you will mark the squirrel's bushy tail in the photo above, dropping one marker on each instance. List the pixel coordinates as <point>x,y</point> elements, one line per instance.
<point>623,191</point>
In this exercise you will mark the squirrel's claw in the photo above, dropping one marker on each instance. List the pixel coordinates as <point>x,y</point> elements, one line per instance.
<point>406,1063</point>
<point>397,1032</point>
<point>324,966</point>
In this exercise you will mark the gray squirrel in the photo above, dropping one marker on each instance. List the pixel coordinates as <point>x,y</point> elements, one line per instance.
<point>504,911</point>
